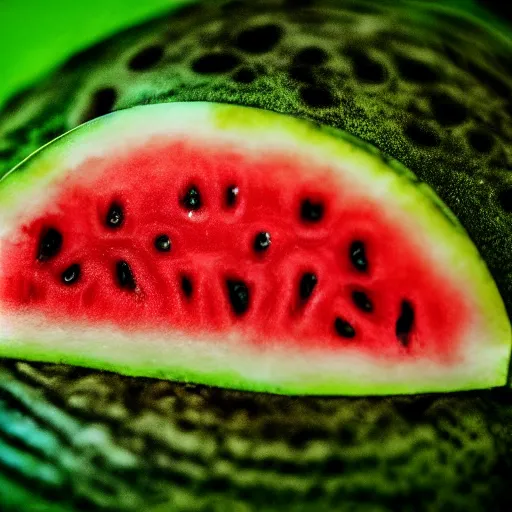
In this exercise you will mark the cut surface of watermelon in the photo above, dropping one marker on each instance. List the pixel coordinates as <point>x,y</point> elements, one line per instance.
<point>241,248</point>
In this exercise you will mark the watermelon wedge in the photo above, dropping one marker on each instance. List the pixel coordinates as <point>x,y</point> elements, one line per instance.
<point>232,246</point>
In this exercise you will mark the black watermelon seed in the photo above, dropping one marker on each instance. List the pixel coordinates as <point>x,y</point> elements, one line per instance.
<point>307,285</point>
<point>186,286</point>
<point>259,39</point>
<point>358,256</point>
<point>362,301</point>
<point>238,296</point>
<point>102,102</point>
<point>192,199</point>
<point>115,216</point>
<point>49,245</point>
<point>163,243</point>
<point>262,241</point>
<point>125,276</point>
<point>311,212</point>
<point>146,58</point>
<point>71,274</point>
<point>231,195</point>
<point>405,322</point>
<point>343,328</point>
<point>215,63</point>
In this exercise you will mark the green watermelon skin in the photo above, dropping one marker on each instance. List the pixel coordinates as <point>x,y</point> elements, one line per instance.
<point>428,87</point>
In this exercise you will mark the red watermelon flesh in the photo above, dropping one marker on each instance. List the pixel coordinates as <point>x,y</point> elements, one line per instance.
<point>201,240</point>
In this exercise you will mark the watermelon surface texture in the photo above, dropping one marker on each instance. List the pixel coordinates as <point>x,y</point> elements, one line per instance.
<point>428,87</point>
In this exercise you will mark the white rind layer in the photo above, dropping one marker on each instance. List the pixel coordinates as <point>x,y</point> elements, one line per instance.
<point>229,362</point>
<point>486,344</point>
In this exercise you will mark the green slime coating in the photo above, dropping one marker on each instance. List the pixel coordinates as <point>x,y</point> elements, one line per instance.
<point>131,444</point>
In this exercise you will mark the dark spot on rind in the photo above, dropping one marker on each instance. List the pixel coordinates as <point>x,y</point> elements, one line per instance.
<point>362,7</point>
<point>238,296</point>
<point>50,244</point>
<point>71,274</point>
<point>124,275</point>
<point>343,328</point>
<point>299,3</point>
<point>508,109</point>
<point>262,241</point>
<point>244,76</point>
<point>232,5</point>
<point>490,80</point>
<point>52,132</point>
<point>505,199</point>
<point>405,323</point>
<point>7,154</point>
<point>333,466</point>
<point>310,56</point>
<point>217,62</point>
<point>260,39</point>
<point>453,54</point>
<point>231,195</point>
<point>481,141</point>
<point>317,97</point>
<point>357,253</point>
<point>77,60</point>
<point>187,10</point>
<point>146,58</point>
<point>102,103</point>
<point>186,286</point>
<point>366,69</point>
<point>192,199</point>
<point>163,243</point>
<point>302,74</point>
<point>448,111</point>
<point>416,71</point>
<point>15,101</point>
<point>421,134</point>
<point>115,216</point>
<point>311,212</point>
<point>362,301</point>
<point>307,284</point>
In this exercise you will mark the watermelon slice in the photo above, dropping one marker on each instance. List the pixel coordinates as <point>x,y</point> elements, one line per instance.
<point>232,246</point>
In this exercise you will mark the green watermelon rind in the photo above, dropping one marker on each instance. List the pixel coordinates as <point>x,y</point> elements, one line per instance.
<point>483,363</point>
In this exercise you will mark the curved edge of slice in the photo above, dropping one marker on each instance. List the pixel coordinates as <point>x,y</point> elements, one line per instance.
<point>482,353</point>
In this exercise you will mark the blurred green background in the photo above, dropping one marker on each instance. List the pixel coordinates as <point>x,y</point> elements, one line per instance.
<point>35,35</point>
